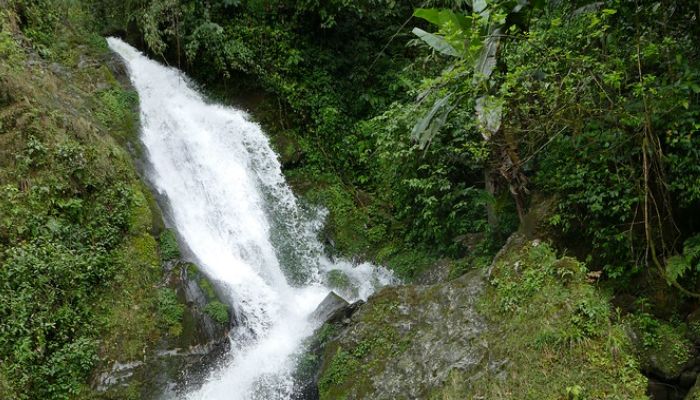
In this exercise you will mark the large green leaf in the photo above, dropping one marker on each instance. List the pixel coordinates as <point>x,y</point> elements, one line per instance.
<point>487,58</point>
<point>676,267</point>
<point>489,111</point>
<point>438,43</point>
<point>438,122</point>
<point>691,249</point>
<point>418,133</point>
<point>443,18</point>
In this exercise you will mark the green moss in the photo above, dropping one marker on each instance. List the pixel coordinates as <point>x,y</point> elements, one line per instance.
<point>143,251</point>
<point>9,49</point>
<point>694,393</point>
<point>342,366</point>
<point>218,311</point>
<point>192,269</point>
<point>117,109</point>
<point>346,222</point>
<point>555,332</point>
<point>169,249</point>
<point>348,370</point>
<point>207,288</point>
<point>325,333</point>
<point>170,311</point>
<point>407,262</point>
<point>141,219</point>
<point>663,347</point>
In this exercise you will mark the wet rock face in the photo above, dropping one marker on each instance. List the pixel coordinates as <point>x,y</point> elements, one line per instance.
<point>405,342</point>
<point>329,306</point>
<point>178,361</point>
<point>196,292</point>
<point>668,358</point>
<point>694,393</point>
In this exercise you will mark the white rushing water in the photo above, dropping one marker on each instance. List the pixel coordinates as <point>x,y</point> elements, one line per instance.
<point>230,204</point>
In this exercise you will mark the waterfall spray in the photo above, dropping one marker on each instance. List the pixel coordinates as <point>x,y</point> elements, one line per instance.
<point>230,204</point>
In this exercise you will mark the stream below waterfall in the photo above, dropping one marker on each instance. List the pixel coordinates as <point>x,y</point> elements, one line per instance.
<point>230,205</point>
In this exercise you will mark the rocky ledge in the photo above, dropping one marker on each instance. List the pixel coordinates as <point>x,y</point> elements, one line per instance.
<point>183,356</point>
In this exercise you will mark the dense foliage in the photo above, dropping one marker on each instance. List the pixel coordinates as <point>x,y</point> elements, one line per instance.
<point>78,264</point>
<point>425,132</point>
<point>438,139</point>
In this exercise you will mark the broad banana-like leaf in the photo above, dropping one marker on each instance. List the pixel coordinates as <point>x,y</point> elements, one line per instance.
<point>438,43</point>
<point>481,7</point>
<point>487,58</point>
<point>489,112</point>
<point>438,122</point>
<point>423,123</point>
<point>443,17</point>
<point>676,267</point>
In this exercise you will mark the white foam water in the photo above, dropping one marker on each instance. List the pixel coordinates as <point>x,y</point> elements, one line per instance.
<point>230,204</point>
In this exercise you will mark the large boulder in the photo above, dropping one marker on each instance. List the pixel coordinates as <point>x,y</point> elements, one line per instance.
<point>694,393</point>
<point>663,350</point>
<point>405,342</point>
<point>537,328</point>
<point>329,306</point>
<point>183,356</point>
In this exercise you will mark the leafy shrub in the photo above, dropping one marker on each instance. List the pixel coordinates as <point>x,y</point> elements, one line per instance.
<point>169,249</point>
<point>68,196</point>
<point>557,330</point>
<point>341,366</point>
<point>170,311</point>
<point>218,311</point>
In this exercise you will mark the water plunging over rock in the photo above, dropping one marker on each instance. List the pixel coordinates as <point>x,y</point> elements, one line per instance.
<point>230,204</point>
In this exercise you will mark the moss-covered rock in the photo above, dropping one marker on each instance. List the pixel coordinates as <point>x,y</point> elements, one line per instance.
<point>663,349</point>
<point>536,330</point>
<point>194,324</point>
<point>694,393</point>
<point>169,248</point>
<point>553,333</point>
<point>287,147</point>
<point>404,342</point>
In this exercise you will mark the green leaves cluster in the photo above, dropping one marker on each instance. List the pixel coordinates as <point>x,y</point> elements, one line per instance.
<point>59,245</point>
<point>564,98</point>
<point>170,311</point>
<point>169,248</point>
<point>73,220</point>
<point>513,97</point>
<point>689,261</point>
<point>218,311</point>
<point>578,89</point>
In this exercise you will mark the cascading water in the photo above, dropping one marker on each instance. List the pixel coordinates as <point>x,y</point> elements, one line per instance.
<point>230,204</point>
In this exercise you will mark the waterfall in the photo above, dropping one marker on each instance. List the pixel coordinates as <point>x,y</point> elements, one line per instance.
<point>229,203</point>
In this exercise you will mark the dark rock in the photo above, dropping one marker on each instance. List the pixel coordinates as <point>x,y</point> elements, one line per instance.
<point>694,393</point>
<point>329,306</point>
<point>429,331</point>
<point>288,149</point>
<point>58,69</point>
<point>687,378</point>
<point>435,274</point>
<point>342,315</point>
<point>673,354</point>
<point>195,291</point>
<point>658,391</point>
<point>119,374</point>
<point>178,362</point>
